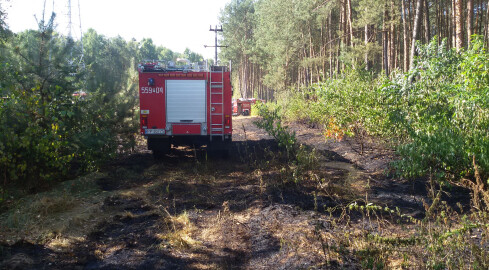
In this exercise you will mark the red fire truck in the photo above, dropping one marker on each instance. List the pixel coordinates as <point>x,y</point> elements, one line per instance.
<point>242,106</point>
<point>185,106</point>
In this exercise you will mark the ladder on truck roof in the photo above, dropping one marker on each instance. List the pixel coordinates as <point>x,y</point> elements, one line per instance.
<point>216,101</point>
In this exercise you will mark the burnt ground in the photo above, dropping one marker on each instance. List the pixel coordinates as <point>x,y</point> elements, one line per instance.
<point>192,210</point>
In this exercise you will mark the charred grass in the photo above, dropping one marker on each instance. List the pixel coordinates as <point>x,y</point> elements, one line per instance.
<point>252,210</point>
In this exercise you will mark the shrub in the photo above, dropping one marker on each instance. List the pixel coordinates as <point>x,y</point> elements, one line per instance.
<point>300,158</point>
<point>271,122</point>
<point>441,109</point>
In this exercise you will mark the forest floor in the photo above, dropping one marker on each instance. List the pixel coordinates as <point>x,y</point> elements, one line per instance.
<point>193,211</point>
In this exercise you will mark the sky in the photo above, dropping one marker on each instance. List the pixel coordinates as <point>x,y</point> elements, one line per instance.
<point>174,24</point>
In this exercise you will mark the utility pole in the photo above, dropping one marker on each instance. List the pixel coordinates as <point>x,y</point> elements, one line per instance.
<point>70,25</point>
<point>215,46</point>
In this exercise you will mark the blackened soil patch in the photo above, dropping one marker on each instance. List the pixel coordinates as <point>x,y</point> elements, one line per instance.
<point>122,203</point>
<point>24,255</point>
<point>122,178</point>
<point>129,242</point>
<point>300,197</point>
<point>191,210</point>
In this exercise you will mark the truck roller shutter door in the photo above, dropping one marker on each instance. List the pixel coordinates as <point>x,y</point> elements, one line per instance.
<point>185,101</point>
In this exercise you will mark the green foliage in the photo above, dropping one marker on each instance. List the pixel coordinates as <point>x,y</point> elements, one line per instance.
<point>350,104</point>
<point>275,40</point>
<point>299,157</point>
<point>352,100</point>
<point>148,50</point>
<point>271,122</point>
<point>4,32</point>
<point>238,20</point>
<point>46,133</point>
<point>32,145</point>
<point>443,240</point>
<point>437,114</point>
<point>192,56</point>
<point>306,107</point>
<point>165,54</point>
<point>33,135</point>
<point>440,109</point>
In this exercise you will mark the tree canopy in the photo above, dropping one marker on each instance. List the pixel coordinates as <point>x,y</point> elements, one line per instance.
<point>279,45</point>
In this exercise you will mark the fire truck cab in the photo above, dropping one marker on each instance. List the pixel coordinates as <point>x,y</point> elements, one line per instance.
<point>185,105</point>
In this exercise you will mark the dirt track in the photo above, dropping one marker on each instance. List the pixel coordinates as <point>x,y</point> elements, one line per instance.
<point>193,211</point>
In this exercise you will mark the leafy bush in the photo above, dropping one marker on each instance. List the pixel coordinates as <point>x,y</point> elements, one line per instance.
<point>32,148</point>
<point>300,158</point>
<point>305,107</point>
<point>437,114</point>
<point>271,122</point>
<point>350,104</point>
<point>352,100</point>
<point>440,108</point>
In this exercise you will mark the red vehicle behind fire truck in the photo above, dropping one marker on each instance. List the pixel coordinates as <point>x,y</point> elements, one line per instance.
<point>242,106</point>
<point>185,105</point>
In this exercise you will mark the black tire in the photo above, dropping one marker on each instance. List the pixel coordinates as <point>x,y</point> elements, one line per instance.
<point>159,146</point>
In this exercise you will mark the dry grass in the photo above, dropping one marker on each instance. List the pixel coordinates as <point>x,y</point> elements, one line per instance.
<point>48,205</point>
<point>68,209</point>
<point>178,232</point>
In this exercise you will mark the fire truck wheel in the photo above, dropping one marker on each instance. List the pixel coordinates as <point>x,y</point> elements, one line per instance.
<point>160,147</point>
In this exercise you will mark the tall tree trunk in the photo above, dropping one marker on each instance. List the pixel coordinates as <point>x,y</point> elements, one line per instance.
<point>453,24</point>
<point>388,33</point>
<point>350,21</point>
<point>330,46</point>
<point>477,27</point>
<point>367,64</point>
<point>405,37</point>
<point>409,18</point>
<point>385,54</point>
<point>470,19</point>
<point>447,22</point>
<point>439,20</point>
<point>487,22</point>
<point>385,43</point>
<point>427,26</point>
<point>416,26</point>
<point>343,39</point>
<point>459,43</point>
<point>344,23</point>
<point>391,38</point>
<point>252,67</point>
<point>242,79</point>
<point>312,54</point>
<point>398,36</point>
